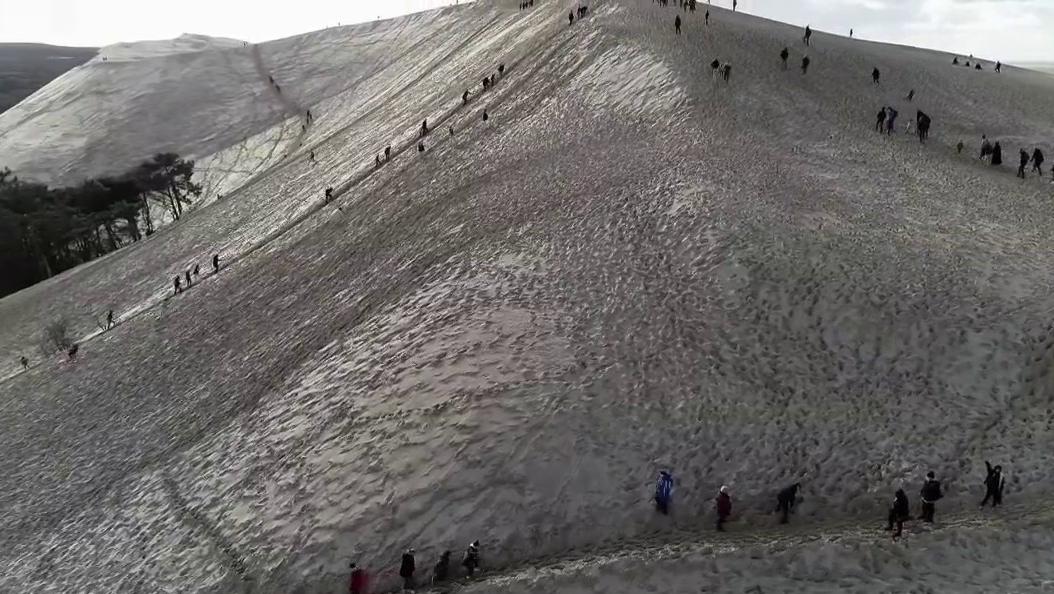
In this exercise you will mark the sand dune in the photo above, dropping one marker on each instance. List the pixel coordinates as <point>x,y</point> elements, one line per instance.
<point>628,266</point>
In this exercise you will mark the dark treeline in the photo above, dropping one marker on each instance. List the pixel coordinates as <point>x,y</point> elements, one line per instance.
<point>44,231</point>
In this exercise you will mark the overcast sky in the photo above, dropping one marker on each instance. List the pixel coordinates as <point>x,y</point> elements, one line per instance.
<point>1016,30</point>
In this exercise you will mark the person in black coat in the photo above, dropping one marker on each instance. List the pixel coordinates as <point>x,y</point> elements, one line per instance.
<point>471,560</point>
<point>997,155</point>
<point>994,481</point>
<point>784,54</point>
<point>407,568</point>
<point>441,571</point>
<point>1037,161</point>
<point>785,501</point>
<point>931,492</point>
<point>1022,163</point>
<point>899,512</point>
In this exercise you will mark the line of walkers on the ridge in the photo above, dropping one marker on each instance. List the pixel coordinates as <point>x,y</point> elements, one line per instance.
<point>442,572</point>
<point>177,282</point>
<point>787,498</point>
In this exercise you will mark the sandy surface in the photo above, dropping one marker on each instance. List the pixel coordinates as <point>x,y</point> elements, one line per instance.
<point>629,266</point>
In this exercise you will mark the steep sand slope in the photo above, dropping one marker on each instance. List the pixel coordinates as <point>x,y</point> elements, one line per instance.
<point>628,266</point>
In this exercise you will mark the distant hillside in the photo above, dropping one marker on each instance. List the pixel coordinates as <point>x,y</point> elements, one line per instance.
<point>26,67</point>
<point>1047,67</point>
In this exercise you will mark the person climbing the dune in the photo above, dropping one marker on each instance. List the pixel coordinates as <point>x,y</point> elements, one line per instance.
<point>485,116</point>
<point>25,362</point>
<point>805,64</point>
<point>311,156</point>
<point>875,74</point>
<point>1037,161</point>
<point>376,161</point>
<point>727,71</point>
<point>677,24</point>
<point>464,98</point>
<point>387,153</point>
<point>420,146</point>
<point>880,120</point>
<point>977,66</point>
<point>197,269</point>
<point>570,18</point>
<point>784,54</point>
<point>71,353</point>
<point>997,155</point>
<point>724,507</point>
<point>715,67</point>
<point>911,95</point>
<point>406,570</point>
<point>899,512</point>
<point>930,494</point>
<point>955,61</point>
<point>994,481</point>
<point>441,571</point>
<point>424,128</point>
<point>664,492</point>
<point>998,66</point>
<point>486,83</point>
<point>215,263</point>
<point>359,581</point>
<point>186,273</point>
<point>329,195</point>
<point>471,559</point>
<point>922,122</point>
<point>109,319</point>
<point>501,69</point>
<point>785,501</point>
<point>808,35</point>
<point>451,129</point>
<point>959,147</point>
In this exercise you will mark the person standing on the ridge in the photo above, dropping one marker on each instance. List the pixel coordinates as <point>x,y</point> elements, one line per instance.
<point>441,571</point>
<point>994,481</point>
<point>724,507</point>
<point>880,120</point>
<point>998,66</point>
<point>735,5</point>
<point>215,263</point>
<point>875,74</point>
<point>1023,162</point>
<point>997,155</point>
<point>785,501</point>
<point>931,492</point>
<point>805,64</point>
<point>178,284</point>
<point>406,570</point>
<point>1037,161</point>
<point>899,512</point>
<point>664,492</point>
<point>784,54</point>
<point>677,24</point>
<point>808,35</point>
<point>359,580</point>
<point>850,33</point>
<point>471,560</point>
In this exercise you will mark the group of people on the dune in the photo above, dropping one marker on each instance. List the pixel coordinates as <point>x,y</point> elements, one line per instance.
<point>788,497</point>
<point>192,273</point>
<point>993,154</point>
<point>442,571</point>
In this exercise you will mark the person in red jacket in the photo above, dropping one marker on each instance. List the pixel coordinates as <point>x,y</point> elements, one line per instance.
<point>359,580</point>
<point>724,508</point>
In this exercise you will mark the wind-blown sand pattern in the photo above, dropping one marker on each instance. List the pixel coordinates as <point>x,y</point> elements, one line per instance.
<point>628,266</point>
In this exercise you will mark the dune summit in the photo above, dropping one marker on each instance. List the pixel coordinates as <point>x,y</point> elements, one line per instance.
<point>629,266</point>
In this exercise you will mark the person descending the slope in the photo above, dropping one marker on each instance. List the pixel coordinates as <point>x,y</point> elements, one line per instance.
<point>706,18</point>
<point>1037,161</point>
<point>931,492</point>
<point>406,570</point>
<point>875,74</point>
<point>891,120</point>
<point>724,507</point>
<point>441,571</point>
<point>25,362</point>
<point>997,155</point>
<point>899,512</point>
<point>471,560</point>
<point>805,64</point>
<point>677,24</point>
<point>784,54</point>
<point>664,492</point>
<point>880,120</point>
<point>715,67</point>
<point>923,124</point>
<point>785,501</point>
<point>994,481</point>
<point>808,35</point>
<point>986,147</point>
<point>359,580</point>
<point>1022,162</point>
<point>998,66</point>
<point>959,147</point>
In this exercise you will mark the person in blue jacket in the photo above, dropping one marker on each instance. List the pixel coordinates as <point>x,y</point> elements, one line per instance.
<point>664,492</point>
